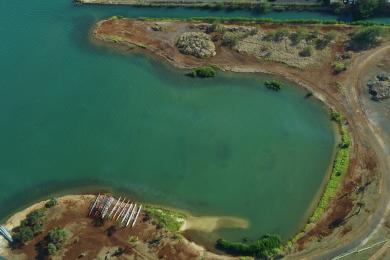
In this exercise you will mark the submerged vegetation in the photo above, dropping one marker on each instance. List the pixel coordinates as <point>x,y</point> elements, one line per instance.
<point>265,247</point>
<point>164,218</point>
<point>206,71</point>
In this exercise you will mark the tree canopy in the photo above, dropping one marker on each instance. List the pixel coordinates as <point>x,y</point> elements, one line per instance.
<point>364,9</point>
<point>367,37</point>
<point>267,246</point>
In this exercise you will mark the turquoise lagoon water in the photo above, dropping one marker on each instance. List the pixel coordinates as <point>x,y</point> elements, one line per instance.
<point>75,118</point>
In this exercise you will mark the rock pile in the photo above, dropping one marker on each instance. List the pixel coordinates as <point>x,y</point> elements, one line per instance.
<point>197,44</point>
<point>379,88</point>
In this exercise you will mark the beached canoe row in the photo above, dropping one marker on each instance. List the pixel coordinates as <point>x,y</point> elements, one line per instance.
<point>107,207</point>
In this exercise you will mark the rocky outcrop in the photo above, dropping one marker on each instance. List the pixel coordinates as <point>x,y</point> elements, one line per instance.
<point>379,88</point>
<point>197,44</point>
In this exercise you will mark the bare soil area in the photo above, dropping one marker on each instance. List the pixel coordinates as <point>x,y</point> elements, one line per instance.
<point>88,239</point>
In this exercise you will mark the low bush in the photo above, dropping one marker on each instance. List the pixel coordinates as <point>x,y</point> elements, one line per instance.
<point>232,38</point>
<point>23,234</point>
<point>31,226</point>
<point>266,247</point>
<point>299,35</point>
<point>261,7</point>
<point>339,66</point>
<point>55,240</point>
<point>336,116</point>
<point>330,36</point>
<point>273,85</point>
<point>51,203</point>
<point>204,72</point>
<point>306,52</point>
<point>366,38</point>
<point>279,34</point>
<point>51,249</point>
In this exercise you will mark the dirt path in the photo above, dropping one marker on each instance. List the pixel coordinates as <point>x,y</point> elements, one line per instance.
<point>363,129</point>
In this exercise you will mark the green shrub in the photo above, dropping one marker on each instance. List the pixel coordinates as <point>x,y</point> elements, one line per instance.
<point>336,116</point>
<point>57,236</point>
<point>364,9</point>
<point>266,247</point>
<point>314,34</point>
<point>337,7</point>
<point>280,34</point>
<point>216,26</point>
<point>321,43</point>
<point>204,72</point>
<point>51,203</point>
<point>23,234</point>
<point>306,52</point>
<point>30,226</point>
<point>367,37</point>
<point>273,85</point>
<point>51,249</point>
<point>345,140</point>
<point>232,38</point>
<point>262,7</point>
<point>330,36</point>
<point>339,66</point>
<point>299,35</point>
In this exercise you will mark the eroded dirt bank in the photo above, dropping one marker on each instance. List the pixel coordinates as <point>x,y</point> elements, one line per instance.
<point>346,221</point>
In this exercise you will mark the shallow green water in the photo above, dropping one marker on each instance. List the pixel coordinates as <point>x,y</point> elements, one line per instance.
<point>74,117</point>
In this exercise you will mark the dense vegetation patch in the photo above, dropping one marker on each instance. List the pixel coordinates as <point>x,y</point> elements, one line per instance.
<point>321,43</point>
<point>55,240</point>
<point>274,85</point>
<point>31,226</point>
<point>266,247</point>
<point>164,218</point>
<point>339,66</point>
<point>306,52</point>
<point>339,169</point>
<point>204,72</point>
<point>367,37</point>
<point>51,202</point>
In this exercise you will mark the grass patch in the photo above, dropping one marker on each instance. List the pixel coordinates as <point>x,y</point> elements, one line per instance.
<point>164,218</point>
